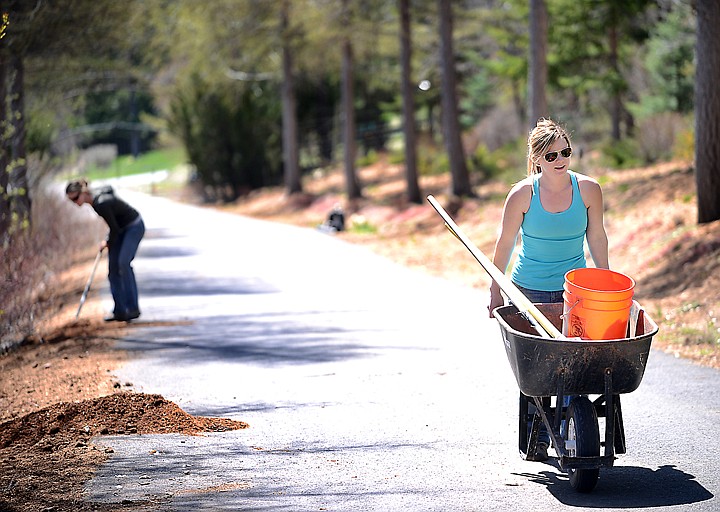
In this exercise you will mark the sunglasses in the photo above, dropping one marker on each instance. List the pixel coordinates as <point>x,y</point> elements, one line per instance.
<point>552,156</point>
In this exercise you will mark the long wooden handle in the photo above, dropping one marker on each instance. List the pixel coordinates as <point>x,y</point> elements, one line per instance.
<point>541,323</point>
<point>88,284</point>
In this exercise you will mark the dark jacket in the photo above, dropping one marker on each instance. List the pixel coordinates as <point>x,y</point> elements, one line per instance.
<point>117,213</point>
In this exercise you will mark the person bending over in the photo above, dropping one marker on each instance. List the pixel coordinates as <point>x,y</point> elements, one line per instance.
<point>126,230</point>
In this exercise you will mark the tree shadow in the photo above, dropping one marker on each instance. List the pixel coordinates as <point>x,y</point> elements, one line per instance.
<point>269,339</point>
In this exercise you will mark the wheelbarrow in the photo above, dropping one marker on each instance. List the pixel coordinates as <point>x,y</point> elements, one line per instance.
<point>559,376</point>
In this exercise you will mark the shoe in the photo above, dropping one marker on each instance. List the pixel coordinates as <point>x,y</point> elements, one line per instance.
<point>541,451</point>
<point>133,315</point>
<point>115,318</point>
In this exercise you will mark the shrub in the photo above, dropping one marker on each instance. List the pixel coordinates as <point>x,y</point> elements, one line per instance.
<point>432,160</point>
<point>657,135</point>
<point>231,132</point>
<point>60,235</point>
<point>684,145</point>
<point>482,161</point>
<point>620,154</point>
<point>369,158</point>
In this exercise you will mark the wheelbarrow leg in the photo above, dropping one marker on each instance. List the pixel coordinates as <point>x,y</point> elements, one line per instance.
<point>612,411</point>
<point>522,424</point>
<point>620,445</point>
<point>609,416</point>
<point>528,440</point>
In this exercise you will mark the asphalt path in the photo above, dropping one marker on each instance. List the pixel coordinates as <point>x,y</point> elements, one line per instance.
<point>367,386</point>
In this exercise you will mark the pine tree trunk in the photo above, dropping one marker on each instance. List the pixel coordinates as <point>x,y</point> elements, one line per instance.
<point>289,113</point>
<point>707,111</point>
<point>615,100</point>
<point>537,69</point>
<point>20,197</point>
<point>4,153</point>
<point>352,186</point>
<point>451,124</point>
<point>413,188</point>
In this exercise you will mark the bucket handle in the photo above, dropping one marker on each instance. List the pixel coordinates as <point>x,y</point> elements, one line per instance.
<point>566,313</point>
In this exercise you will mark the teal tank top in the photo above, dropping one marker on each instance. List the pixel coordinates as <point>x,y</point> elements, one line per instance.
<point>551,243</point>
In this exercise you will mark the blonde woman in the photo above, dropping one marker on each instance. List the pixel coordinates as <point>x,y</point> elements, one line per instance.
<point>126,230</point>
<point>554,210</point>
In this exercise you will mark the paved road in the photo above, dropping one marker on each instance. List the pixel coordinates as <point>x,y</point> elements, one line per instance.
<point>367,387</point>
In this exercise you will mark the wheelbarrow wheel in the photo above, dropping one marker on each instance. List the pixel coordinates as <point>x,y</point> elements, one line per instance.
<point>582,439</point>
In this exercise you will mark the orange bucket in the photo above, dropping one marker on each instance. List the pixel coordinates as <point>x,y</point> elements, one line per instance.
<point>597,304</point>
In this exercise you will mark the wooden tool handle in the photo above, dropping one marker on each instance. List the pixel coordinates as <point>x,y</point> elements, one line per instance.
<point>544,326</point>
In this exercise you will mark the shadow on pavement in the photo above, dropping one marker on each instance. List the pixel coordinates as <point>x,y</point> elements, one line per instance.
<point>628,487</point>
<point>259,339</point>
<point>185,283</point>
<point>165,252</point>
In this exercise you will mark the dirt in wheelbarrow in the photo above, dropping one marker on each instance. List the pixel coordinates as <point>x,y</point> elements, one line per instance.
<point>58,388</point>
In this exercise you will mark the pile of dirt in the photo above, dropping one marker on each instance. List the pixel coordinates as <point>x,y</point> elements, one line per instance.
<point>46,454</point>
<point>65,424</point>
<point>58,391</point>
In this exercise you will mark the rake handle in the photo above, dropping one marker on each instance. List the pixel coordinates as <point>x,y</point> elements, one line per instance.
<point>540,322</point>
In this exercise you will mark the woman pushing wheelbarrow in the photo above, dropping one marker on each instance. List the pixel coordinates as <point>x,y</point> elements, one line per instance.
<point>555,210</point>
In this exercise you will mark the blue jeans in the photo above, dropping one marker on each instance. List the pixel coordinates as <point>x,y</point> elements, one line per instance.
<point>540,296</point>
<point>120,272</point>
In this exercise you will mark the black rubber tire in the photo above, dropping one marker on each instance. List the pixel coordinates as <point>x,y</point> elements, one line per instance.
<point>582,427</point>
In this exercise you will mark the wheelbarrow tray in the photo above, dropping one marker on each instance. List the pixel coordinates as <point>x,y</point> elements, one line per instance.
<point>580,367</point>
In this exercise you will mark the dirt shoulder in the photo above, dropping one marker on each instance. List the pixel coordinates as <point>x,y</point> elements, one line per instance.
<point>58,391</point>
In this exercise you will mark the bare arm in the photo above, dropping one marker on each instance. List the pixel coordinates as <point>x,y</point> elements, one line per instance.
<point>596,236</point>
<point>516,205</point>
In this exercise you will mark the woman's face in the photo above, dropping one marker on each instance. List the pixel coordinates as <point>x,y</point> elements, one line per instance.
<point>556,159</point>
<point>77,197</point>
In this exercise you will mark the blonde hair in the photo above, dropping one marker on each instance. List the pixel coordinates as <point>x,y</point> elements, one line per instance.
<point>544,135</point>
<point>77,186</point>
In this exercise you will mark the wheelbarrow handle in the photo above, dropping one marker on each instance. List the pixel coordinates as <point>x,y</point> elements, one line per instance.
<point>540,322</point>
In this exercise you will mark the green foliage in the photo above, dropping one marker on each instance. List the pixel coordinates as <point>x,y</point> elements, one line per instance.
<point>397,157</point>
<point>40,132</point>
<point>669,62</point>
<point>701,333</point>
<point>231,132</point>
<point>360,225</point>
<point>504,46</point>
<point>369,158</point>
<point>620,154</point>
<point>317,97</point>
<point>371,115</point>
<point>482,161</point>
<point>432,160</point>
<point>477,99</point>
<point>157,160</point>
<point>232,129</point>
<point>122,107</point>
<point>684,145</point>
